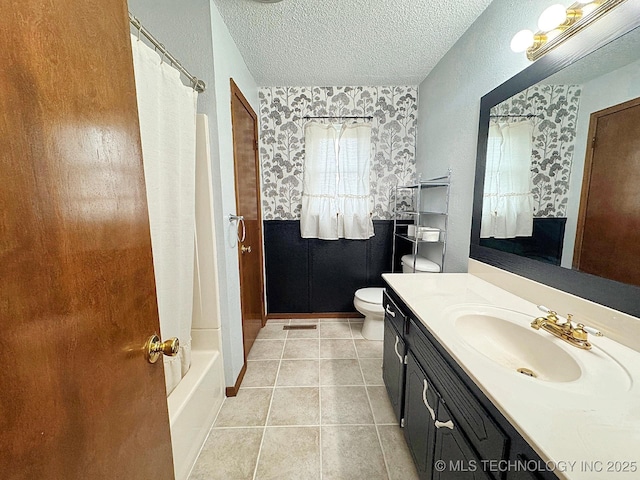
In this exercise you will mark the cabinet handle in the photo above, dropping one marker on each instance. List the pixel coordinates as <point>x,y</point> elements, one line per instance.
<point>437,423</point>
<point>426,402</point>
<point>390,312</point>
<point>395,347</point>
<point>440,424</point>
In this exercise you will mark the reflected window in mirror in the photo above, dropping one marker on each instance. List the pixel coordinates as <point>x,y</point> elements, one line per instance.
<point>507,210</point>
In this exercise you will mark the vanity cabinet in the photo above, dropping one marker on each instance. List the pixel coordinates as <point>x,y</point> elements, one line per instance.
<point>445,416</point>
<point>431,433</point>
<point>394,354</point>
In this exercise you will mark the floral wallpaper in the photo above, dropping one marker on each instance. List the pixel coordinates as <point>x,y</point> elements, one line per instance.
<point>394,111</point>
<point>556,110</point>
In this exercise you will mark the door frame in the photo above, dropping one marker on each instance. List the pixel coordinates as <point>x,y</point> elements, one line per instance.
<point>588,165</point>
<point>237,95</point>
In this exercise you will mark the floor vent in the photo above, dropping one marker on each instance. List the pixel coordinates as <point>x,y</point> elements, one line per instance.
<point>299,327</point>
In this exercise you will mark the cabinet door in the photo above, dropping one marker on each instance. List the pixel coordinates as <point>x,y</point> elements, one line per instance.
<point>454,458</point>
<point>393,366</point>
<point>394,314</point>
<point>419,428</point>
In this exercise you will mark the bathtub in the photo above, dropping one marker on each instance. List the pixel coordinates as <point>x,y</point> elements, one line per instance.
<point>193,406</point>
<point>196,400</point>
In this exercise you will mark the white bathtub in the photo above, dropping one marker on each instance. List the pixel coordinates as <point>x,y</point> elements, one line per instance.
<point>193,405</point>
<point>196,400</point>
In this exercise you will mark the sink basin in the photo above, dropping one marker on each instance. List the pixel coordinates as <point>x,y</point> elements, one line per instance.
<point>517,347</point>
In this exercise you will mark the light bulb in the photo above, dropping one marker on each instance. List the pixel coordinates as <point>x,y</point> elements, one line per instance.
<point>552,17</point>
<point>588,8</point>
<point>522,40</point>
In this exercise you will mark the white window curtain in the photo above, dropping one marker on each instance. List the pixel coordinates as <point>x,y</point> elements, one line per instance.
<point>507,209</point>
<point>336,200</point>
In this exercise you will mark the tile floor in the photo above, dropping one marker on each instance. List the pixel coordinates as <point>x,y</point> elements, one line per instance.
<point>312,406</point>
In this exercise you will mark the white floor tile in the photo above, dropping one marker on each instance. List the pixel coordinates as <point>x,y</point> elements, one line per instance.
<point>312,405</point>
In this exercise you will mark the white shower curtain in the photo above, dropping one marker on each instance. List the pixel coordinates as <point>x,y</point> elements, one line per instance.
<point>167,111</point>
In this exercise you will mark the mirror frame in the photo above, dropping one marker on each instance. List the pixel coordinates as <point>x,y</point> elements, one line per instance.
<point>619,296</point>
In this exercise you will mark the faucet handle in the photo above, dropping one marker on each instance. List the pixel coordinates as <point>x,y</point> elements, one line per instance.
<point>584,328</point>
<point>592,331</point>
<point>551,315</point>
<point>579,333</point>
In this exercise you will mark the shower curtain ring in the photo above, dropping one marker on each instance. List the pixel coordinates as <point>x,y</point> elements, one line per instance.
<point>164,52</point>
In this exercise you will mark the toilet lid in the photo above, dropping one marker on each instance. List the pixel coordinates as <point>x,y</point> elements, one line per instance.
<point>422,264</point>
<point>370,295</point>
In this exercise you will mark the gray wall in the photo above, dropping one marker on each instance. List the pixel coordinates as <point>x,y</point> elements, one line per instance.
<point>449,106</point>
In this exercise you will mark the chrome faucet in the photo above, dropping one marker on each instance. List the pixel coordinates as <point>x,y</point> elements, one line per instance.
<point>576,336</point>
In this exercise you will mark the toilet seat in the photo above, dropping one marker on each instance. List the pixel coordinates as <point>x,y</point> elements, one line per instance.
<point>372,295</point>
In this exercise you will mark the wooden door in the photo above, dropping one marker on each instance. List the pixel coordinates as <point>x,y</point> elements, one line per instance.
<point>78,398</point>
<point>247,172</point>
<point>608,238</point>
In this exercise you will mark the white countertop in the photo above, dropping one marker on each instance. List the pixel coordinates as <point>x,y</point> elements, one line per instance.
<point>592,423</point>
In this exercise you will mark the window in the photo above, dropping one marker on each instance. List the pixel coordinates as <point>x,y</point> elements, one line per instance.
<point>507,208</point>
<point>336,198</point>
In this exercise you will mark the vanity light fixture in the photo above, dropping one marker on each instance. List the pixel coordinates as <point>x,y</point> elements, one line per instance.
<point>557,23</point>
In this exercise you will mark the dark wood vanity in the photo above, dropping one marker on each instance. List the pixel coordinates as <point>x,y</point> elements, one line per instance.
<point>452,429</point>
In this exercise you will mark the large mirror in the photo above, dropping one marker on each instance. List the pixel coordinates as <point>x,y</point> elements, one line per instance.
<point>558,172</point>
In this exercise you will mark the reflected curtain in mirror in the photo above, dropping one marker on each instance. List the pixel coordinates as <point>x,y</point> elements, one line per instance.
<point>336,200</point>
<point>507,209</point>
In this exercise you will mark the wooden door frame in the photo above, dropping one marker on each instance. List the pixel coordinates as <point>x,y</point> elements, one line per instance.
<point>238,95</point>
<point>588,165</point>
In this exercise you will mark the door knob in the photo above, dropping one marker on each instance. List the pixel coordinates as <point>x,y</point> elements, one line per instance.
<point>244,249</point>
<point>154,348</point>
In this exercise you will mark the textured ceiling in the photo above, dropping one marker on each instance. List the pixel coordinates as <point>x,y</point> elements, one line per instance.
<point>346,42</point>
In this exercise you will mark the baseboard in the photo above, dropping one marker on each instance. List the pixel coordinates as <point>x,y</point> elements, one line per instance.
<point>233,391</point>
<point>287,316</point>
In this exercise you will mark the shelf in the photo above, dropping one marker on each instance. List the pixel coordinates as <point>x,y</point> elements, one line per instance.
<point>413,239</point>
<point>419,196</point>
<point>423,185</point>
<point>420,213</point>
<point>407,213</point>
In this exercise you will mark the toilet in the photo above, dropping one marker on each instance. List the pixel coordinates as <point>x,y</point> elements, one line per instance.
<point>368,301</point>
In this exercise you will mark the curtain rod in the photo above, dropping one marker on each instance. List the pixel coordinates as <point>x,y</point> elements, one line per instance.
<point>197,84</point>
<point>352,117</point>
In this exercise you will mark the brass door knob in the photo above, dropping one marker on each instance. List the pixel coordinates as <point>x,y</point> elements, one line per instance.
<point>154,348</point>
<point>244,249</point>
